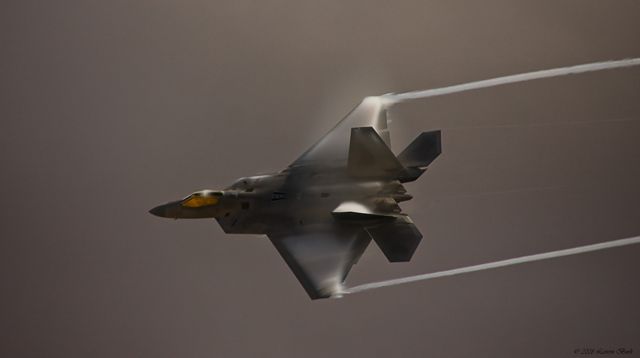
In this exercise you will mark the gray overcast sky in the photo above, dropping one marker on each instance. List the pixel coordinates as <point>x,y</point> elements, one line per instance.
<point>111,107</point>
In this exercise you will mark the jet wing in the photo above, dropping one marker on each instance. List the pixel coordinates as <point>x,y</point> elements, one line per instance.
<point>321,259</point>
<point>333,148</point>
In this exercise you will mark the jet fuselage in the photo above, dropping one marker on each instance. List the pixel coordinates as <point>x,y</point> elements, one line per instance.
<point>267,204</point>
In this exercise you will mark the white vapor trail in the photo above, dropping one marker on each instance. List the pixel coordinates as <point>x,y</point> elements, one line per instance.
<point>492,265</point>
<point>522,77</point>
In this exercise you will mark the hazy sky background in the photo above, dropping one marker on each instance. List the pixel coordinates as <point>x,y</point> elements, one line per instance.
<point>109,108</point>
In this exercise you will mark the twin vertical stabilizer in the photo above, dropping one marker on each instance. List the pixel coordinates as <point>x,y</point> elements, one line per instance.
<point>369,156</point>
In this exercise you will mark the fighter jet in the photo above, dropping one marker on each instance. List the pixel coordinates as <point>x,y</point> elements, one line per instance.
<point>323,210</point>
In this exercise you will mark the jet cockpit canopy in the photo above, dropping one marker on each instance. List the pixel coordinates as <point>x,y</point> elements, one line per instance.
<point>202,198</point>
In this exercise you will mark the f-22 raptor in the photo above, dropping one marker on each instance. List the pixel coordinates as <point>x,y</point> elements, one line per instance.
<point>323,210</point>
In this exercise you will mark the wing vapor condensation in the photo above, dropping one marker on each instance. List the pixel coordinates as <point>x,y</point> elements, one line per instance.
<point>492,265</point>
<point>521,77</point>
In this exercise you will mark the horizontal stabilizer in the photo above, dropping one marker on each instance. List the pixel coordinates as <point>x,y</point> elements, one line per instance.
<point>398,239</point>
<point>422,151</point>
<point>369,156</point>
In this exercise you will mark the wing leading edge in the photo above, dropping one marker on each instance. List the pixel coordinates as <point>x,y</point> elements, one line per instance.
<point>333,148</point>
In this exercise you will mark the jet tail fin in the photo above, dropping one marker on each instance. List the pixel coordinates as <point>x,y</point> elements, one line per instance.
<point>422,151</point>
<point>369,156</point>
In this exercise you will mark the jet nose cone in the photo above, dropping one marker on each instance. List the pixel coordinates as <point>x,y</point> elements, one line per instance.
<point>159,211</point>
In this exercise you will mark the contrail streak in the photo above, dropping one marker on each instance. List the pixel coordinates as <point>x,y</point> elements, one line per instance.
<point>492,265</point>
<point>522,77</point>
